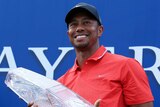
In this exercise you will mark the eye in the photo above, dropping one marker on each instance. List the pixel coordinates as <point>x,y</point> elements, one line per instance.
<point>87,22</point>
<point>72,24</point>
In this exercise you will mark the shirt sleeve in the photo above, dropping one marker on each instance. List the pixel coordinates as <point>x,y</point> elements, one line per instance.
<point>135,83</point>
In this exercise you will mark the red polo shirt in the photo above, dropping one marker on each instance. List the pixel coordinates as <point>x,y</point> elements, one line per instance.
<point>117,80</point>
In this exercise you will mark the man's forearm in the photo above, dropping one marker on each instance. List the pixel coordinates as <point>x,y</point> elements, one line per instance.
<point>148,104</point>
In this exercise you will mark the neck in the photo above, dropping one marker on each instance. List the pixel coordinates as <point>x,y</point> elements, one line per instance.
<point>83,55</point>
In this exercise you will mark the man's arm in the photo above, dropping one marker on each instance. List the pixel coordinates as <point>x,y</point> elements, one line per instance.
<point>148,104</point>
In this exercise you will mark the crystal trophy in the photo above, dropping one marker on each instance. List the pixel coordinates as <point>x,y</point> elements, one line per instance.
<point>33,87</point>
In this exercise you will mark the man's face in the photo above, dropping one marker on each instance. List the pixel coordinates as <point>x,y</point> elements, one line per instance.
<point>84,31</point>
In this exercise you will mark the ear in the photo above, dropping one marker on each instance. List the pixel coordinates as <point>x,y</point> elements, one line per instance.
<point>100,30</point>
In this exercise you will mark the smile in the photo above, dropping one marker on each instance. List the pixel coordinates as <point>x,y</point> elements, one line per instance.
<point>80,36</point>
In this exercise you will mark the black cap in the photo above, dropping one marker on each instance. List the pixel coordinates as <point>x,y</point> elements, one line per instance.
<point>83,7</point>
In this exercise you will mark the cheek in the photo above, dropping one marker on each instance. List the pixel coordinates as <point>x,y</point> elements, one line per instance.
<point>70,32</point>
<point>93,28</point>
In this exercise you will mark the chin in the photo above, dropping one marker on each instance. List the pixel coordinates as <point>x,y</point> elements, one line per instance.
<point>81,46</point>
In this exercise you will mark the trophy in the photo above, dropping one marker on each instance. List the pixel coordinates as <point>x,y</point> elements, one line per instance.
<point>33,87</point>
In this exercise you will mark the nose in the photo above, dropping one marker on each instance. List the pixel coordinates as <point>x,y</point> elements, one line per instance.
<point>80,28</point>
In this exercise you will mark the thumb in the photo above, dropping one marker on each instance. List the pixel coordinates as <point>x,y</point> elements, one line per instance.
<point>30,104</point>
<point>97,103</point>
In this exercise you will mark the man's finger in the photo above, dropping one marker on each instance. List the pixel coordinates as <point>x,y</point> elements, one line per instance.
<point>97,103</point>
<point>30,104</point>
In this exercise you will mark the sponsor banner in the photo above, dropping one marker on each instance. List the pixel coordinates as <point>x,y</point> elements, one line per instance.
<point>33,35</point>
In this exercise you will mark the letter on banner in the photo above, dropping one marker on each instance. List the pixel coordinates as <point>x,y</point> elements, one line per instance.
<point>138,56</point>
<point>7,51</point>
<point>39,52</point>
<point>110,49</point>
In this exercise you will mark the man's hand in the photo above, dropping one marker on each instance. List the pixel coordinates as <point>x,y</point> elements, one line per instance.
<point>97,103</point>
<point>148,104</point>
<point>40,103</point>
<point>31,104</point>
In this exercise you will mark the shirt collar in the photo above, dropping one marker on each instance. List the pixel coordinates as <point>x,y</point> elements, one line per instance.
<point>96,56</point>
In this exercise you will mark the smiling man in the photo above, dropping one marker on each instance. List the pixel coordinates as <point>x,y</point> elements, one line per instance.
<point>116,80</point>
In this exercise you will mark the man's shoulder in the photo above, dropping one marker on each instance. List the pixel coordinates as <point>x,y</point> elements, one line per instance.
<point>117,57</point>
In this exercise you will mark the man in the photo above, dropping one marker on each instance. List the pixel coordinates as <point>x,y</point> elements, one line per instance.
<point>96,74</point>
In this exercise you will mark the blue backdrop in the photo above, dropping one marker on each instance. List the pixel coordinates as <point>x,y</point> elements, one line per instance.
<point>33,35</point>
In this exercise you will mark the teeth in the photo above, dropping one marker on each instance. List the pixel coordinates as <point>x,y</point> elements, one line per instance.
<point>82,36</point>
